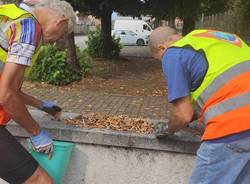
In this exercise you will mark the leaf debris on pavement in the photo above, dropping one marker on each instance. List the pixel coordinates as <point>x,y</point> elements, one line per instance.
<point>120,123</point>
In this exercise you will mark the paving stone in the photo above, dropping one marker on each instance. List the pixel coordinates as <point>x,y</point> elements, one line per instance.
<point>87,101</point>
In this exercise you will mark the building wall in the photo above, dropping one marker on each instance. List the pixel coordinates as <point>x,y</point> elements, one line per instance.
<point>92,164</point>
<point>103,156</point>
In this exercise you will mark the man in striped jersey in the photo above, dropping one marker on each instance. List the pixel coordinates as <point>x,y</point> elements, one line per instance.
<point>23,29</point>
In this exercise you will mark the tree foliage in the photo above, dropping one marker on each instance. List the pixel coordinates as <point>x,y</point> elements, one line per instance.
<point>210,7</point>
<point>240,9</point>
<point>103,9</point>
<point>190,10</point>
<point>95,7</point>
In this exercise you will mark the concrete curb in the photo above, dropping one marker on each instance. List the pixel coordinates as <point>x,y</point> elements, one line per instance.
<point>181,142</point>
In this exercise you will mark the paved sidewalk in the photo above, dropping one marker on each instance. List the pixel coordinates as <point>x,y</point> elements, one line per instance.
<point>85,101</point>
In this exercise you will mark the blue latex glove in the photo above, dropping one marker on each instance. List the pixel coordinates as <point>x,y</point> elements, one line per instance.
<point>42,143</point>
<point>52,109</point>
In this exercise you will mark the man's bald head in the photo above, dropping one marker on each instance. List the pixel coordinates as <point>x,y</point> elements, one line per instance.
<point>159,36</point>
<point>161,39</point>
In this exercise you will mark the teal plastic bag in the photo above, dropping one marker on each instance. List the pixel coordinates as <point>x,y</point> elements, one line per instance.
<point>57,165</point>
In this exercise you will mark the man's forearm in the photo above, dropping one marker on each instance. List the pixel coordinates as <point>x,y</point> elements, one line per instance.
<point>181,115</point>
<point>19,113</point>
<point>30,100</point>
<point>10,98</point>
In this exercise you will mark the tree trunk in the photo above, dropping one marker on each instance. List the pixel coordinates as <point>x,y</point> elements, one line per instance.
<point>69,43</point>
<point>189,25</point>
<point>106,13</point>
<point>71,54</point>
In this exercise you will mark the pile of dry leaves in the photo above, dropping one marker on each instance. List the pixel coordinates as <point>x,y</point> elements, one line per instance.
<point>121,123</point>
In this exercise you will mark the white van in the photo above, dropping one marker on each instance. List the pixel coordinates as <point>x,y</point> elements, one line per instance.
<point>138,26</point>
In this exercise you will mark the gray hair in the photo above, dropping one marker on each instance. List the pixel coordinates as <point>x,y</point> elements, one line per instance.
<point>61,8</point>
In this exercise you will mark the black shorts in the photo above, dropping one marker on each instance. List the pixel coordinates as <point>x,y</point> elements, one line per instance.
<point>16,164</point>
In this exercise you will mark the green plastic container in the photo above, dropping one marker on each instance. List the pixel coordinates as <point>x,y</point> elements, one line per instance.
<point>57,165</point>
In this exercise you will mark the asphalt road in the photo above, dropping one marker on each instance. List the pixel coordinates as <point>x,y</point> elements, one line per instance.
<point>127,51</point>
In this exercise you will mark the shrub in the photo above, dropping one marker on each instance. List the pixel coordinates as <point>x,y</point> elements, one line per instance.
<point>51,67</point>
<point>95,45</point>
<point>82,57</point>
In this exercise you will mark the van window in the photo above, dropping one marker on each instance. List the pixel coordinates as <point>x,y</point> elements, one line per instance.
<point>131,33</point>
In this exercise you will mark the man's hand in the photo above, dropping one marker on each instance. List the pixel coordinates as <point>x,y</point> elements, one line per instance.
<point>161,130</point>
<point>42,143</point>
<point>52,109</point>
<point>181,115</point>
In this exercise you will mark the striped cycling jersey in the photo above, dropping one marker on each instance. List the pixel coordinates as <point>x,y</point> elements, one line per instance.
<point>20,38</point>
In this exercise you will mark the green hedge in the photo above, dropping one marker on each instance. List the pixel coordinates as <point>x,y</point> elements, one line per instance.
<point>95,45</point>
<point>51,67</point>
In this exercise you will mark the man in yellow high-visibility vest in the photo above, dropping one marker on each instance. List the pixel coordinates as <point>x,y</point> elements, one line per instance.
<point>23,29</point>
<point>208,78</point>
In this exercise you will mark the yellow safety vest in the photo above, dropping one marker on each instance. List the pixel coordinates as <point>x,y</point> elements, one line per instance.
<point>222,99</point>
<point>13,12</point>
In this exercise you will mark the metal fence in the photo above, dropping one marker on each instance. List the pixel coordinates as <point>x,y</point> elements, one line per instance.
<point>224,22</point>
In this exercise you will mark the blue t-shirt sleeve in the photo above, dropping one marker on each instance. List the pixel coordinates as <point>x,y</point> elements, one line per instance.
<point>177,77</point>
<point>184,70</point>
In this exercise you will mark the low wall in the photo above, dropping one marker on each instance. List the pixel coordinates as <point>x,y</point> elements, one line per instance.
<point>112,157</point>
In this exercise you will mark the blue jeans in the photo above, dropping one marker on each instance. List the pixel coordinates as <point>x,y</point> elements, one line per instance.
<point>222,163</point>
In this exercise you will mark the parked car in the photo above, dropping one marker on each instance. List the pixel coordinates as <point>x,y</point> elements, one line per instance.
<point>131,38</point>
